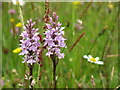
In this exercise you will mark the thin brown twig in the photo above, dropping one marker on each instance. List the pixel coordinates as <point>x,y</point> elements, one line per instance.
<point>93,80</point>
<point>46,16</point>
<point>85,10</point>
<point>112,73</point>
<point>33,8</point>
<point>78,39</point>
<point>112,55</point>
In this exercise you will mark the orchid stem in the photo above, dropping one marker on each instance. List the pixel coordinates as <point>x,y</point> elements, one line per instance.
<point>54,73</point>
<point>55,62</point>
<point>31,77</point>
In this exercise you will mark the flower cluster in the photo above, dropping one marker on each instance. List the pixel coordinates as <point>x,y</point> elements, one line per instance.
<point>54,39</point>
<point>29,43</point>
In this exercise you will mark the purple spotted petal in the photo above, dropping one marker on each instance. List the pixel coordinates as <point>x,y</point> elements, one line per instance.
<point>30,43</point>
<point>54,39</point>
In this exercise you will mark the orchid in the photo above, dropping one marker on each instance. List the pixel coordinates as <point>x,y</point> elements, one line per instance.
<point>54,39</point>
<point>30,43</point>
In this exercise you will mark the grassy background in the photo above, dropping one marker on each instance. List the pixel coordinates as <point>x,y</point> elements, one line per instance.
<point>73,71</point>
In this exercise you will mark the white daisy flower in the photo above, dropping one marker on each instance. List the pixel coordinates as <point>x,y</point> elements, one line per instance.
<point>93,60</point>
<point>20,2</point>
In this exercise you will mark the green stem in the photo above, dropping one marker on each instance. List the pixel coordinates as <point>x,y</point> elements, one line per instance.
<point>73,17</point>
<point>30,74</point>
<point>54,73</point>
<point>38,75</point>
<point>55,62</point>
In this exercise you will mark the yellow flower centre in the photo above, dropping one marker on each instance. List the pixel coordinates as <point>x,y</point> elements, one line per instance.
<point>93,59</point>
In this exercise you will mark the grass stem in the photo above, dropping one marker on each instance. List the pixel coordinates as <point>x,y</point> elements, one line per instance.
<point>38,75</point>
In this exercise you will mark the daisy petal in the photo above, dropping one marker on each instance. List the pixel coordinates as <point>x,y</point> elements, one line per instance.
<point>99,62</point>
<point>90,60</point>
<point>97,58</point>
<point>85,56</point>
<point>89,56</point>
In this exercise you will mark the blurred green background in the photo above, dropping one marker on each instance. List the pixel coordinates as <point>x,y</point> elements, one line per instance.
<point>101,39</point>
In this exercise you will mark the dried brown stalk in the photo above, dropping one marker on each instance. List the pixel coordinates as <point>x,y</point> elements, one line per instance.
<point>78,39</point>
<point>85,10</point>
<point>47,11</point>
<point>113,55</point>
<point>93,80</point>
